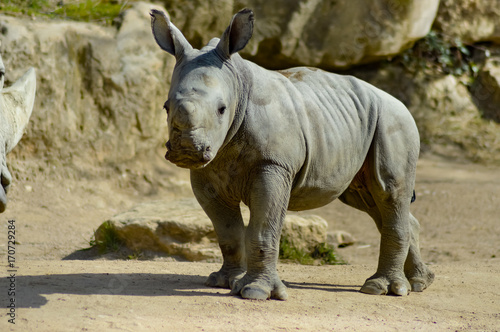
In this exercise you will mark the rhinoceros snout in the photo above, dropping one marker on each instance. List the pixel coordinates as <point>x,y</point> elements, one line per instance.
<point>188,155</point>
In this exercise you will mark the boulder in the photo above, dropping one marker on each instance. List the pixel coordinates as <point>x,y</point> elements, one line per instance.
<point>181,228</point>
<point>201,20</point>
<point>321,33</point>
<point>340,239</point>
<point>304,232</point>
<point>335,34</point>
<point>447,110</point>
<point>486,89</point>
<point>448,116</point>
<point>470,21</point>
<point>177,228</point>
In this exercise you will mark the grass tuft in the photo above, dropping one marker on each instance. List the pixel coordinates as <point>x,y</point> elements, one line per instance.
<point>106,239</point>
<point>323,254</point>
<point>97,11</point>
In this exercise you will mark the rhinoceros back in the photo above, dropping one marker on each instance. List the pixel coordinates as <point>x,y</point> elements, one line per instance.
<point>339,119</point>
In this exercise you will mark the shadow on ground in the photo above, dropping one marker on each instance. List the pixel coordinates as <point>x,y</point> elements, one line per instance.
<point>323,287</point>
<point>31,289</point>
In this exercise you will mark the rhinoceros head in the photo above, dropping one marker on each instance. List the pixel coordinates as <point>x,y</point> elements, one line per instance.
<point>16,104</point>
<point>203,95</point>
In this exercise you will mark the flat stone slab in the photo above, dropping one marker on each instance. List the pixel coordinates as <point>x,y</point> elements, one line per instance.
<point>181,228</point>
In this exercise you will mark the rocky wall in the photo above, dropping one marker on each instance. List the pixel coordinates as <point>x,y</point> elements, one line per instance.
<point>101,88</point>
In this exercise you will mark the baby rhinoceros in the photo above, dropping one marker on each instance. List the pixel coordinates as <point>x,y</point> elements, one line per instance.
<point>16,105</point>
<point>293,139</point>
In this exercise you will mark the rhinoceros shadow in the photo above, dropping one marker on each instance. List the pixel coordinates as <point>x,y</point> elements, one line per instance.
<point>323,287</point>
<point>30,290</point>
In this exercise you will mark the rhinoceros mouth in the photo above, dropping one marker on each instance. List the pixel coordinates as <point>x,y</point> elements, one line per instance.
<point>186,158</point>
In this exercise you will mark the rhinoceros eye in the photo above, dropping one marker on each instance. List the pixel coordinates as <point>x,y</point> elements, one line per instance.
<point>222,109</point>
<point>165,106</point>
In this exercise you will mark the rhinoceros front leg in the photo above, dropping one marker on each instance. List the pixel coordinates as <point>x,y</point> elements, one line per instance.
<point>268,201</point>
<point>230,230</point>
<point>394,246</point>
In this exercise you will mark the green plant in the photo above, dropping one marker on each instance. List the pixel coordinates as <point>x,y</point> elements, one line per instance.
<point>321,255</point>
<point>91,10</point>
<point>107,239</point>
<point>435,55</point>
<point>326,253</point>
<point>103,11</point>
<point>289,252</point>
<point>136,255</point>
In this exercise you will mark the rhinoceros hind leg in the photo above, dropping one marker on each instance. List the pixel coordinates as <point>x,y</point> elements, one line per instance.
<point>388,279</point>
<point>381,285</point>
<point>419,275</point>
<point>384,189</point>
<point>418,284</point>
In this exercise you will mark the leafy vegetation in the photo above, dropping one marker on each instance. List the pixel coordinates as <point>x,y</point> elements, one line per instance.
<point>435,55</point>
<point>452,123</point>
<point>321,255</point>
<point>108,240</point>
<point>98,11</point>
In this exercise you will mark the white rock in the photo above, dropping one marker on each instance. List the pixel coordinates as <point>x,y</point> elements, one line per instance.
<point>181,228</point>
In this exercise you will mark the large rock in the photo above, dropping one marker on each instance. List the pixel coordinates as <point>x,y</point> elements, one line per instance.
<point>181,228</point>
<point>448,116</point>
<point>304,232</point>
<point>447,112</point>
<point>335,34</point>
<point>321,33</point>
<point>201,20</point>
<point>100,89</point>
<point>178,228</point>
<point>470,21</point>
<point>486,89</point>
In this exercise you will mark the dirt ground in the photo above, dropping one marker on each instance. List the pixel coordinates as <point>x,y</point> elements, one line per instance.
<point>458,206</point>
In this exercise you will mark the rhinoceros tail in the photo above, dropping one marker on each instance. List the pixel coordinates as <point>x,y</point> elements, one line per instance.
<point>413,197</point>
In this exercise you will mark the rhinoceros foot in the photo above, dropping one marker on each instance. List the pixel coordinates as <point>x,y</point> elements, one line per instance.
<point>260,288</point>
<point>225,277</point>
<point>382,285</point>
<point>421,279</point>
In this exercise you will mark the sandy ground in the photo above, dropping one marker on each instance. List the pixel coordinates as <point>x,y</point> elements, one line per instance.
<point>458,206</point>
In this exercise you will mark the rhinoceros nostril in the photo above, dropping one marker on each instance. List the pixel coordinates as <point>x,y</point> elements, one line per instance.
<point>208,149</point>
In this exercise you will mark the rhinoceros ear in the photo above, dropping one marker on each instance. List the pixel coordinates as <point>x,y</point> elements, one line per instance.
<point>237,34</point>
<point>167,36</point>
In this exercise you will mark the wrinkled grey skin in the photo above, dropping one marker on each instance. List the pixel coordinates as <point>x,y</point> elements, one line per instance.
<point>16,104</point>
<point>294,139</point>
